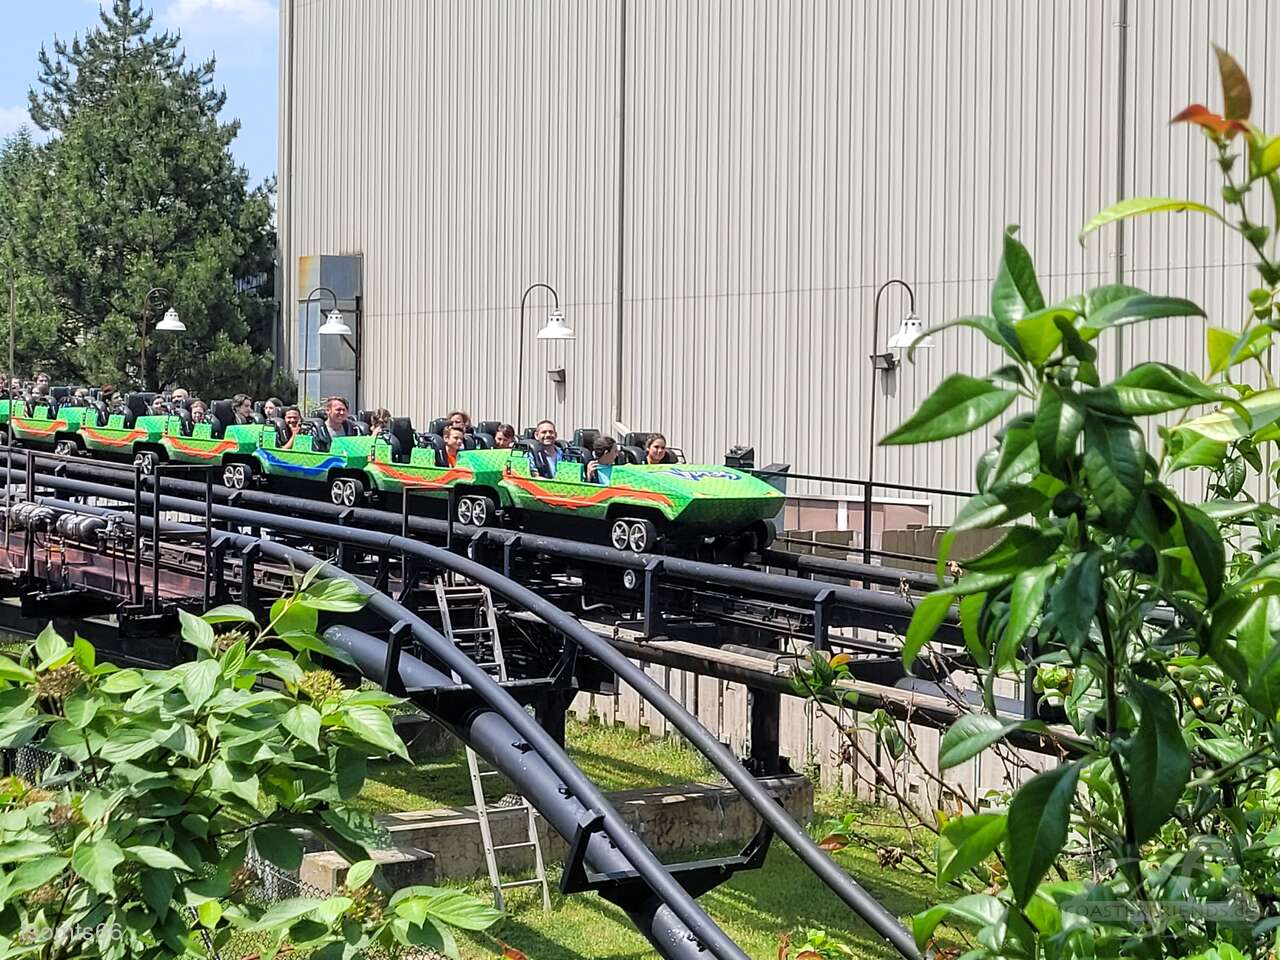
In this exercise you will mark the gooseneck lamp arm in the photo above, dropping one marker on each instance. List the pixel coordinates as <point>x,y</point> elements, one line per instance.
<point>879,361</point>
<point>305,396</point>
<point>524,298</point>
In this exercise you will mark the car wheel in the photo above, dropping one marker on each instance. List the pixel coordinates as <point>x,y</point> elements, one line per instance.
<point>620,534</point>
<point>66,448</point>
<point>146,461</point>
<point>235,476</point>
<point>484,511</point>
<point>464,510</point>
<point>344,492</point>
<point>641,536</point>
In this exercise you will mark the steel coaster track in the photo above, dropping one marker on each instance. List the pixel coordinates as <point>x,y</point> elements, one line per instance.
<point>832,603</point>
<point>520,596</point>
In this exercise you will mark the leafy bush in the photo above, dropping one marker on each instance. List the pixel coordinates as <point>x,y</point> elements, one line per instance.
<point>1159,834</point>
<point>136,842</point>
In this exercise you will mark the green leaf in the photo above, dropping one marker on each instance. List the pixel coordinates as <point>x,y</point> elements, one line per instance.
<point>96,861</point>
<point>971,734</point>
<point>303,722</point>
<point>1016,291</point>
<point>453,907</point>
<point>1029,588</point>
<point>1001,505</point>
<point>979,909</point>
<point>230,613</point>
<point>1058,422</point>
<point>1142,306</point>
<point>280,915</point>
<point>80,709</point>
<point>1236,96</point>
<point>1074,601</point>
<point>1021,547</point>
<point>209,913</point>
<point>200,680</point>
<point>334,595</point>
<point>1107,294</point>
<point>960,405</point>
<point>1039,815</point>
<point>15,672</point>
<point>374,726</point>
<point>157,858</point>
<point>1018,459</point>
<point>1229,424</point>
<point>1151,388</point>
<point>928,616</point>
<point>279,845</point>
<point>1195,451</point>
<point>967,841</point>
<point>1115,467</point>
<point>1039,333</point>
<point>1219,344</point>
<point>50,646</point>
<point>123,681</point>
<point>15,851</point>
<point>1159,764</point>
<point>1141,206</point>
<point>360,874</point>
<point>970,614</point>
<point>1205,543</point>
<point>1001,334</point>
<point>1267,158</point>
<point>196,632</point>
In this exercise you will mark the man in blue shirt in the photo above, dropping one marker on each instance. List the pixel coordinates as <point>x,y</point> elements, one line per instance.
<point>545,455</point>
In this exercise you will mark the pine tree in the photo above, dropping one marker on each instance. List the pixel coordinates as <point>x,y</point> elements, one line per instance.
<point>137,189</point>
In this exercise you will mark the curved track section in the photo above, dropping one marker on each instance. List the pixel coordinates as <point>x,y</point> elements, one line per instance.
<point>858,899</point>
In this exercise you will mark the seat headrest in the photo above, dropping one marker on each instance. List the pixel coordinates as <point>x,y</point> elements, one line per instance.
<point>223,412</point>
<point>585,437</point>
<point>139,404</point>
<point>402,429</point>
<point>488,426</point>
<point>485,441</point>
<point>282,429</point>
<point>630,453</point>
<point>437,425</point>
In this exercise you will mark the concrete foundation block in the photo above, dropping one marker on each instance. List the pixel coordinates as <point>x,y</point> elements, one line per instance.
<point>401,866</point>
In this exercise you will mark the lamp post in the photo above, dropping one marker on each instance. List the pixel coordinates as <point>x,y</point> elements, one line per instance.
<point>555,329</point>
<point>334,323</point>
<point>156,298</point>
<point>908,333</point>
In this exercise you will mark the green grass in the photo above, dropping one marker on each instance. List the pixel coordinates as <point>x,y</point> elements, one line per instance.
<point>615,758</point>
<point>753,908</point>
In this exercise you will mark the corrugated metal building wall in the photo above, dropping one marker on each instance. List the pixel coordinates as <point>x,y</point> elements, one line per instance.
<point>782,159</point>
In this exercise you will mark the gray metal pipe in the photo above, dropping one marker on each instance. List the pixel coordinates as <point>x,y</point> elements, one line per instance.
<point>680,928</point>
<point>497,741</point>
<point>844,886</point>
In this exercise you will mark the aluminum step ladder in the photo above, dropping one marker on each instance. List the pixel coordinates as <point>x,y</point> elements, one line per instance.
<point>470,623</point>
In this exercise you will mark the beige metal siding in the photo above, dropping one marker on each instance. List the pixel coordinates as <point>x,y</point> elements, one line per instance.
<point>783,160</point>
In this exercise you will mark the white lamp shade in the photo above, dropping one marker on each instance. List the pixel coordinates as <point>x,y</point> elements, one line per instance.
<point>334,325</point>
<point>907,335</point>
<point>556,328</point>
<point>171,322</point>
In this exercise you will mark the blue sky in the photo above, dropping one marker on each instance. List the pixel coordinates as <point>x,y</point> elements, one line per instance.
<point>241,33</point>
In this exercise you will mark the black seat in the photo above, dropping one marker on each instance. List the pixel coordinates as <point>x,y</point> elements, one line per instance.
<point>485,441</point>
<point>59,394</point>
<point>321,440</point>
<point>185,424</point>
<point>469,441</point>
<point>138,405</point>
<point>585,437</point>
<point>576,454</point>
<point>488,426</point>
<point>437,425</point>
<point>527,433</point>
<point>630,454</point>
<point>434,442</point>
<point>359,428</point>
<point>104,413</point>
<point>258,408</point>
<point>400,430</point>
<point>365,416</point>
<point>257,417</point>
<point>221,415</point>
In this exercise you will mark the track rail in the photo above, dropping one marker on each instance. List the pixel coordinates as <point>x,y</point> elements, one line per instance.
<point>520,596</point>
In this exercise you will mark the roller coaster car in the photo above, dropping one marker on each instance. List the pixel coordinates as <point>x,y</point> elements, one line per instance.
<point>42,424</point>
<point>338,462</point>
<point>644,507</point>
<point>218,441</point>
